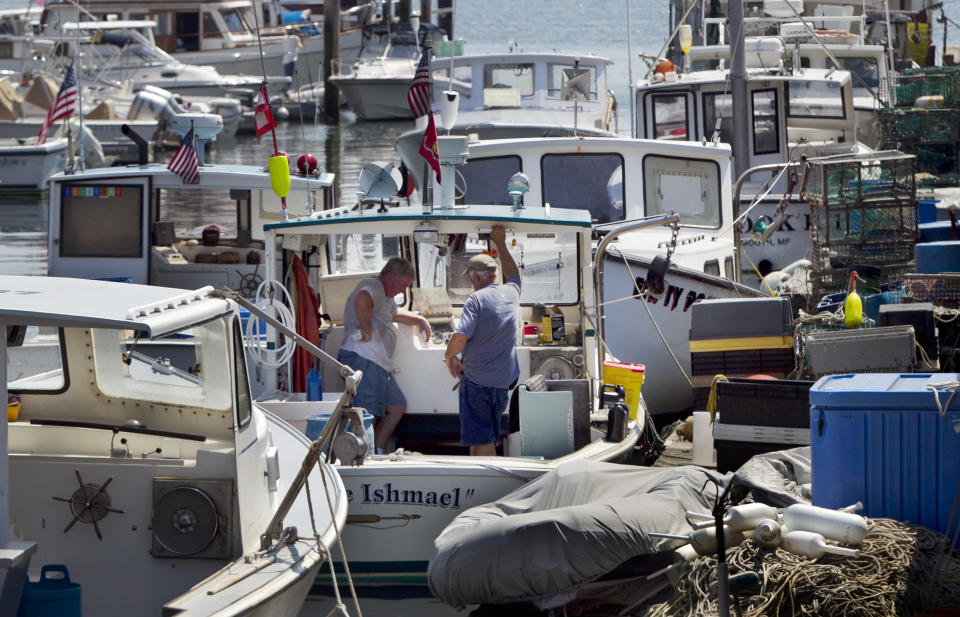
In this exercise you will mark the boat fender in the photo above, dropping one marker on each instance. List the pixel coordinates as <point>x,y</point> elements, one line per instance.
<point>656,275</point>
<point>407,183</point>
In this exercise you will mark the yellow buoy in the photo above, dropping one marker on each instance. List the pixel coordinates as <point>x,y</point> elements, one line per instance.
<point>280,175</point>
<point>853,306</point>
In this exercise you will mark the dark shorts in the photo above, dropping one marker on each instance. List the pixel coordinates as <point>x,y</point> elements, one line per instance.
<point>480,411</point>
<point>378,389</point>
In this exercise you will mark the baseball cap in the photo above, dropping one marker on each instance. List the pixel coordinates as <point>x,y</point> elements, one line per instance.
<point>481,263</point>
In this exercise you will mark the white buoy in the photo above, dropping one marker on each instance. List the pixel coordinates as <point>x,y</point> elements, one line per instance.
<point>812,545</point>
<point>834,525</point>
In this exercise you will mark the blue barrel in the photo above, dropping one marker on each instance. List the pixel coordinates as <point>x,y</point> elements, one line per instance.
<point>935,257</point>
<point>317,421</point>
<point>52,596</point>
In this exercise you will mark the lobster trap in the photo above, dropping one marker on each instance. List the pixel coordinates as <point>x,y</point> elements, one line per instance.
<point>863,212</point>
<point>943,81</point>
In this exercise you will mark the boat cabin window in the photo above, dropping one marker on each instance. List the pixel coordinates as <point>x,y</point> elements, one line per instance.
<point>766,133</point>
<point>241,381</point>
<point>211,29</point>
<point>866,69</point>
<point>558,74</point>
<point>689,187</point>
<point>36,363</point>
<point>591,182</point>
<point>188,30</point>
<point>220,208</point>
<point>548,263</point>
<point>462,78</point>
<point>718,107</point>
<point>85,209</point>
<point>515,76</point>
<point>815,99</point>
<point>485,180</point>
<point>236,20</point>
<point>190,368</point>
<point>670,116</point>
<point>359,253</point>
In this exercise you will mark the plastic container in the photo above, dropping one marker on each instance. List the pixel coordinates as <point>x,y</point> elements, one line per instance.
<point>703,452</point>
<point>724,318</point>
<point>13,411</point>
<point>926,211</point>
<point>314,385</point>
<point>628,375</point>
<point>317,421</point>
<point>880,439</point>
<point>936,257</point>
<point>757,402</point>
<point>54,595</point>
<point>842,527</point>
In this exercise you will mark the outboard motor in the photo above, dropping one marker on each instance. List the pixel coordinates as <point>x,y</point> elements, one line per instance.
<point>612,397</point>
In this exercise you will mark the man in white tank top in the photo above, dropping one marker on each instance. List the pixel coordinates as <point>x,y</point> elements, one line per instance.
<point>369,339</point>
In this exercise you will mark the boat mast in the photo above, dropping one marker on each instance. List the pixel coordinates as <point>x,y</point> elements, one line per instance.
<point>738,85</point>
<point>76,75</point>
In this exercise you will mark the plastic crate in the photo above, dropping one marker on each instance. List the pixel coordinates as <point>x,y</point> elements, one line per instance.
<point>880,440</point>
<point>728,318</point>
<point>892,348</point>
<point>764,402</point>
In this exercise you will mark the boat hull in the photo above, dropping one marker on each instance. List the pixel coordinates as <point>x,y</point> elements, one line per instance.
<point>28,167</point>
<point>632,336</point>
<point>376,99</point>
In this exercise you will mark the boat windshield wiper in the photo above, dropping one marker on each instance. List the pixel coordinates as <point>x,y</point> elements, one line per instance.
<point>118,428</point>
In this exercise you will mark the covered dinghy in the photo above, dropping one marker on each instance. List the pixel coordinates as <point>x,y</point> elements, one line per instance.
<point>545,540</point>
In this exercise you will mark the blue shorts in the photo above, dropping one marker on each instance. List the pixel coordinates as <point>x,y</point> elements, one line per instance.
<point>480,411</point>
<point>378,389</point>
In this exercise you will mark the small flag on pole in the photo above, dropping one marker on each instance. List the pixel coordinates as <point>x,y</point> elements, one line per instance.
<point>62,107</point>
<point>263,119</point>
<point>184,163</point>
<point>420,98</point>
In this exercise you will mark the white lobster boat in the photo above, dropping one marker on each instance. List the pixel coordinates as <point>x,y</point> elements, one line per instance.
<point>151,476</point>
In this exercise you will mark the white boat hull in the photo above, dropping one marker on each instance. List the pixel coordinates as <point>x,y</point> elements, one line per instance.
<point>789,243</point>
<point>632,337</point>
<point>376,98</point>
<point>28,167</point>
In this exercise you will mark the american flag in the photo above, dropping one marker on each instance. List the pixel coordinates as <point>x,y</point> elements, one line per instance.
<point>62,107</point>
<point>184,163</point>
<point>421,90</point>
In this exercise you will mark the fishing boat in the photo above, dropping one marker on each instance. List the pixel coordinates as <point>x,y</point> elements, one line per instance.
<point>26,166</point>
<point>616,180</point>
<point>402,500</point>
<point>140,470</point>
<point>220,33</point>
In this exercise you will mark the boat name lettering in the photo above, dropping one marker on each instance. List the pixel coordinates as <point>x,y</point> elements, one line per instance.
<point>390,495</point>
<point>786,225</point>
<point>671,298</point>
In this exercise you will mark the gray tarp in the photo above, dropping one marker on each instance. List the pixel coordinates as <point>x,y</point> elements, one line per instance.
<point>541,542</point>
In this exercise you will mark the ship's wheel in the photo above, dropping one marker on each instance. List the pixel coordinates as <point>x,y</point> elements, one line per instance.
<point>89,504</point>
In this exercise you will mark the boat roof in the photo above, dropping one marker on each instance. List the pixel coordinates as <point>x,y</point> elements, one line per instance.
<point>488,147</point>
<point>401,221</point>
<point>115,24</point>
<point>517,57</point>
<point>720,76</point>
<point>83,303</point>
<point>211,176</point>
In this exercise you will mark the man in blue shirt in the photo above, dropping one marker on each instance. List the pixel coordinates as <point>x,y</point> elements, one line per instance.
<point>487,338</point>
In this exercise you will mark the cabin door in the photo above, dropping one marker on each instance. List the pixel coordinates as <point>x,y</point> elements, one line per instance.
<point>768,134</point>
<point>99,230</point>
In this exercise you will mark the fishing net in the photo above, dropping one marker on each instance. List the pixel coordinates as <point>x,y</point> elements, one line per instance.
<point>903,568</point>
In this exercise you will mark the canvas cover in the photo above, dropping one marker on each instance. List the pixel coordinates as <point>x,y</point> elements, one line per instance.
<point>9,101</point>
<point>541,542</point>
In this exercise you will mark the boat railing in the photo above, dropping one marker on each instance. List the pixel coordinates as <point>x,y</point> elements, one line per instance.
<point>836,22</point>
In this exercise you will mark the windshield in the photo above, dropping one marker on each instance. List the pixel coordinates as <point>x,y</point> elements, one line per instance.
<point>189,368</point>
<point>548,265</point>
<point>37,363</point>
<point>815,99</point>
<point>866,69</point>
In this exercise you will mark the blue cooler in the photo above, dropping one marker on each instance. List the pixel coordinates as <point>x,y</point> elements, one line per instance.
<point>880,439</point>
<point>52,596</point>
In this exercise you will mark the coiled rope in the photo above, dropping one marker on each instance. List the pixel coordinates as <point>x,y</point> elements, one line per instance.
<point>898,573</point>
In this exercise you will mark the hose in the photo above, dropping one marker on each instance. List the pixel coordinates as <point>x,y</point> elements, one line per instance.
<point>253,341</point>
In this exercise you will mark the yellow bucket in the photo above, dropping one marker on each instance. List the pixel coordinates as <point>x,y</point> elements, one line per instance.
<point>630,376</point>
<point>13,411</point>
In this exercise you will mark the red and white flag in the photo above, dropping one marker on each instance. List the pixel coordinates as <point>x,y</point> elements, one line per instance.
<point>263,119</point>
<point>62,107</point>
<point>184,163</point>
<point>420,99</point>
